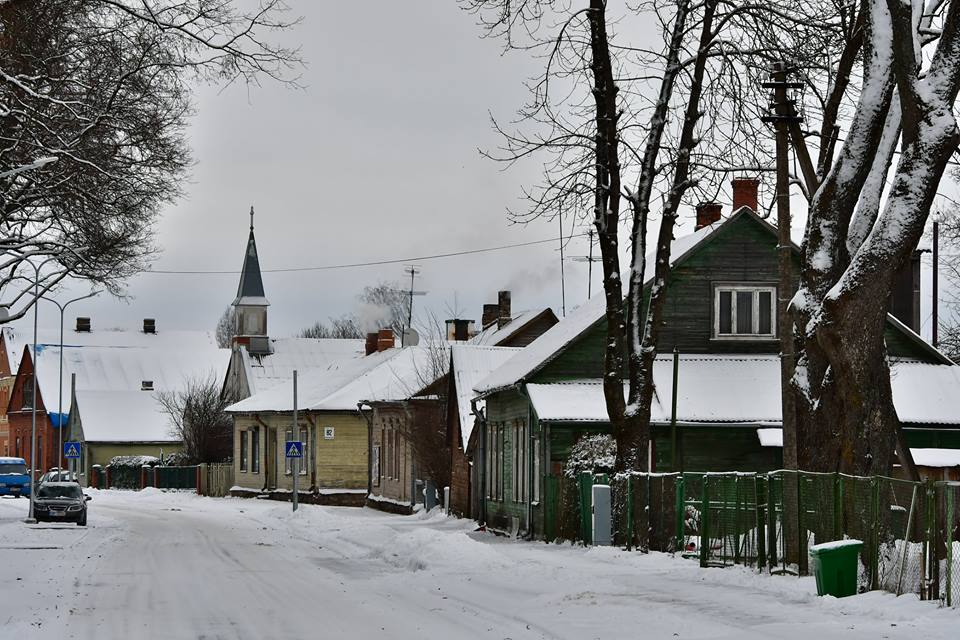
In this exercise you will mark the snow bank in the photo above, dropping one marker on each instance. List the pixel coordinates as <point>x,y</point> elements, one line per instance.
<point>425,548</point>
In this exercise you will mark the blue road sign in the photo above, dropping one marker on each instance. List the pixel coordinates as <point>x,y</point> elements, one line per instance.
<point>71,450</point>
<point>294,449</point>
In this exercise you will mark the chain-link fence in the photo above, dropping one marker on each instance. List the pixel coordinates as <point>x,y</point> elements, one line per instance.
<point>910,530</point>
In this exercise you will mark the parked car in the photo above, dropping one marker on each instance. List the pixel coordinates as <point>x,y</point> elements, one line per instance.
<point>59,475</point>
<point>14,479</point>
<point>61,502</point>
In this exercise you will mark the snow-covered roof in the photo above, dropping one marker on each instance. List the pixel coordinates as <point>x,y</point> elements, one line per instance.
<point>313,385</point>
<point>745,389</point>
<point>472,363</point>
<point>936,457</point>
<point>302,354</point>
<point>495,335</point>
<point>394,374</point>
<point>19,336</point>
<point>122,369</point>
<point>123,416</point>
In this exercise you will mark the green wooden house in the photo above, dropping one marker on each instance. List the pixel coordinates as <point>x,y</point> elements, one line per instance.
<point>721,318</point>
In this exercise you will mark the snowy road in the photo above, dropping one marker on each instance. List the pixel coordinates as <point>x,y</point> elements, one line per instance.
<point>155,565</point>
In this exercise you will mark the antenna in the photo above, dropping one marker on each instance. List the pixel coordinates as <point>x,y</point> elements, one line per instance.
<point>413,270</point>
<point>590,260</point>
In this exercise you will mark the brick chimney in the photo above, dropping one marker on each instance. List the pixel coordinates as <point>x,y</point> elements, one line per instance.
<point>707,214</point>
<point>385,339</point>
<point>745,193</point>
<point>503,304</point>
<point>83,325</point>
<point>905,297</point>
<point>149,325</point>
<point>490,314</point>
<point>459,330</point>
<point>371,344</point>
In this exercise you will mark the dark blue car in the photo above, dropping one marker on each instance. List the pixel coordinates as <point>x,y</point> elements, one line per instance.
<point>14,479</point>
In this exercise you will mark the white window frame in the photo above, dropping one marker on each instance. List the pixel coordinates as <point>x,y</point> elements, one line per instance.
<point>287,462</point>
<point>755,289</point>
<point>305,440</point>
<point>244,451</point>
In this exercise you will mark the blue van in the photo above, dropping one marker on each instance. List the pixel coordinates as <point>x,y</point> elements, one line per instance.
<point>14,479</point>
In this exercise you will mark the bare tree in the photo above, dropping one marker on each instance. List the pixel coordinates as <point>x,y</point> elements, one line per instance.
<point>94,100</point>
<point>197,417</point>
<point>343,327</point>
<point>867,213</point>
<point>605,113</point>
<point>226,327</point>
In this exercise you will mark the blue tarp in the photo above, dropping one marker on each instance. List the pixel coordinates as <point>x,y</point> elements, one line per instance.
<point>58,420</point>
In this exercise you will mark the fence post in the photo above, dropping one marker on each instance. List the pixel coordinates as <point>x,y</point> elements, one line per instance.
<point>199,480</point>
<point>949,528</point>
<point>629,512</point>
<point>681,509</point>
<point>759,517</point>
<point>704,522</point>
<point>802,535</point>
<point>771,524</point>
<point>875,533</point>
<point>929,543</point>
<point>584,484</point>
<point>106,480</point>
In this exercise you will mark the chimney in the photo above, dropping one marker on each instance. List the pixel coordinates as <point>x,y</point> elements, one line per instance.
<point>905,298</point>
<point>385,339</point>
<point>371,345</point>
<point>149,325</point>
<point>745,193</point>
<point>459,330</point>
<point>490,314</point>
<point>83,325</point>
<point>503,304</point>
<point>707,214</point>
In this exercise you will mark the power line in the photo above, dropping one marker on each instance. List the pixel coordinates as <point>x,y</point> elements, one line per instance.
<point>373,263</point>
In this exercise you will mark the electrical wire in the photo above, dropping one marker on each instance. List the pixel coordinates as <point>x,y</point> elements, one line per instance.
<point>372,263</point>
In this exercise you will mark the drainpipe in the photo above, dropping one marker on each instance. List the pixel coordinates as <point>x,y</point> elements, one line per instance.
<point>369,419</point>
<point>482,455</point>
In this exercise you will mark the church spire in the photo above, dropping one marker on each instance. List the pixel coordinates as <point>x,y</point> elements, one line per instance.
<point>250,291</point>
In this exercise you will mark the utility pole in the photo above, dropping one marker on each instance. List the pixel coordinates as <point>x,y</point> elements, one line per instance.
<point>936,281</point>
<point>413,271</point>
<point>563,286</point>
<point>589,259</point>
<point>782,120</point>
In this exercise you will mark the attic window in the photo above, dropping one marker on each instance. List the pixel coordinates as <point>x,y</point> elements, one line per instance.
<point>146,385</point>
<point>744,311</point>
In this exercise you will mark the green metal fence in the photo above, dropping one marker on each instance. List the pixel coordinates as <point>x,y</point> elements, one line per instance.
<point>910,530</point>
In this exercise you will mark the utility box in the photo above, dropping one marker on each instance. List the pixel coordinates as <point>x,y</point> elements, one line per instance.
<point>600,510</point>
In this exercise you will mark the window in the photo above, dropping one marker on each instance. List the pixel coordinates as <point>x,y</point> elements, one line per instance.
<point>742,311</point>
<point>255,450</point>
<point>287,462</point>
<point>27,392</point>
<point>396,452</point>
<point>243,451</point>
<point>488,455</point>
<point>375,465</point>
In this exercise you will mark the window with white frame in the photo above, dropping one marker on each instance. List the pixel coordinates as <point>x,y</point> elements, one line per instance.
<point>744,311</point>
<point>243,451</point>
<point>287,466</point>
<point>304,438</point>
<point>375,465</point>
<point>255,450</point>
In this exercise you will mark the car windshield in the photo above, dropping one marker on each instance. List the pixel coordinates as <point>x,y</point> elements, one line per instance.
<point>13,468</point>
<point>60,491</point>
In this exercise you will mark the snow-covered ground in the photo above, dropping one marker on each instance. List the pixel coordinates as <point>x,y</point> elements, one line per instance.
<point>174,565</point>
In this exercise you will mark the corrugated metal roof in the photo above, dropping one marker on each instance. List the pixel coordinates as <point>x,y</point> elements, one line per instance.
<point>302,354</point>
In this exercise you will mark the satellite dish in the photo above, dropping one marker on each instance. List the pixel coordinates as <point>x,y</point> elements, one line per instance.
<point>410,337</point>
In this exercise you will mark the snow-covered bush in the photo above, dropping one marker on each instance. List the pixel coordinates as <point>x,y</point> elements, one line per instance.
<point>134,461</point>
<point>591,454</point>
<point>176,459</point>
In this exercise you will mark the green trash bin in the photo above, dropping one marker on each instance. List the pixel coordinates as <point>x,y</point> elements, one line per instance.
<point>835,567</point>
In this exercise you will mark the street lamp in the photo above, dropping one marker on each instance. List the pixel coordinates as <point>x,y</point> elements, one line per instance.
<point>63,308</point>
<point>31,519</point>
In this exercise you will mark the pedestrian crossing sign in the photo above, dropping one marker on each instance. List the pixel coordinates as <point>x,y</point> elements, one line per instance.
<point>294,449</point>
<point>71,449</point>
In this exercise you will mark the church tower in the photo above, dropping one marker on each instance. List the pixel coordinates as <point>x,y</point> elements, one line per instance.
<point>250,305</point>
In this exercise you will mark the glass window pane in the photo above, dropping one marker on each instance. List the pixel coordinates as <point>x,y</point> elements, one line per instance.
<point>744,312</point>
<point>766,313</point>
<point>726,310</point>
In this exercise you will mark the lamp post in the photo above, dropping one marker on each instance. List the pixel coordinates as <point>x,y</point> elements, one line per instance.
<point>33,402</point>
<point>63,308</point>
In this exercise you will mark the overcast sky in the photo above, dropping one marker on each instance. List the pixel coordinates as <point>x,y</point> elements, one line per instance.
<point>376,159</point>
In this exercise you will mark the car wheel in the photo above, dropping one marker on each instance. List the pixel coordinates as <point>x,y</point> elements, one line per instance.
<point>82,522</point>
